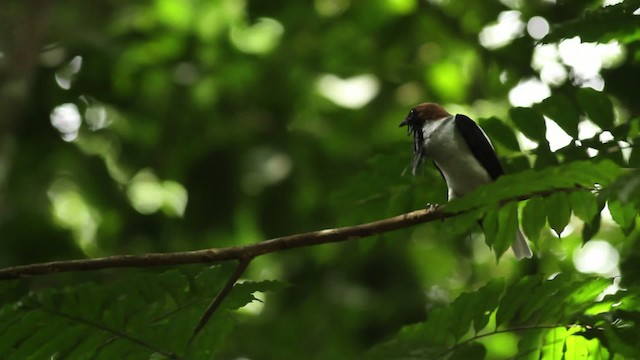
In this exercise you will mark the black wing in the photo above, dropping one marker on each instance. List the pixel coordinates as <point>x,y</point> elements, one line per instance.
<point>479,145</point>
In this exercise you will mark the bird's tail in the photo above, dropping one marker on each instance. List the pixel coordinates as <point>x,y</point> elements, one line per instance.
<point>520,247</point>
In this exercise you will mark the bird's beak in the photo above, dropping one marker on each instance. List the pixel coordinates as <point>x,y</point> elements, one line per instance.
<point>404,122</point>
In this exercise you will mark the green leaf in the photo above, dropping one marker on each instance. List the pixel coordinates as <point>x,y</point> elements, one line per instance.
<point>530,122</point>
<point>490,226</point>
<point>475,306</point>
<point>584,205</point>
<point>463,223</point>
<point>514,297</point>
<point>463,308</point>
<point>540,295</point>
<point>486,302</point>
<point>507,227</point>
<point>469,351</point>
<point>586,291</point>
<point>561,110</point>
<point>573,152</point>
<point>498,131</point>
<point>591,228</point>
<point>601,25</point>
<point>634,158</point>
<point>508,187</point>
<point>533,218</point>
<point>558,206</point>
<point>623,214</point>
<point>8,285</point>
<point>530,346</point>
<point>598,107</point>
<point>627,189</point>
<point>82,321</point>
<point>545,157</point>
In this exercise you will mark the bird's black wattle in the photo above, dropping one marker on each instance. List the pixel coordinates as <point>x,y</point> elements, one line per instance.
<point>414,128</point>
<point>479,145</point>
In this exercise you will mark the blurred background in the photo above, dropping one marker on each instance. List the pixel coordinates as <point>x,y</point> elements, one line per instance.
<point>169,125</point>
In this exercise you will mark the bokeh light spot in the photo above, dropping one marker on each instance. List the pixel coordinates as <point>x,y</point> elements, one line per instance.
<point>597,256</point>
<point>145,192</point>
<point>351,93</point>
<point>71,211</point>
<point>66,119</point>
<point>265,166</point>
<point>148,195</point>
<point>330,8</point>
<point>504,31</point>
<point>260,38</point>
<point>96,117</point>
<point>64,77</point>
<point>401,7</point>
<point>528,92</point>
<point>538,27</point>
<point>557,137</point>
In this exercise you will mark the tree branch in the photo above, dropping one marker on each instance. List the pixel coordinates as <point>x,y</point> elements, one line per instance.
<point>248,251</point>
<point>229,253</point>
<point>242,266</point>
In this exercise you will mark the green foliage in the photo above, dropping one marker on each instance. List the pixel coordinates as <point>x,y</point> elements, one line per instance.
<point>559,108</point>
<point>499,224</point>
<point>500,132</point>
<point>565,310</point>
<point>558,210</point>
<point>612,22</point>
<point>598,107</point>
<point>530,122</point>
<point>125,320</point>
<point>533,218</point>
<point>584,205</point>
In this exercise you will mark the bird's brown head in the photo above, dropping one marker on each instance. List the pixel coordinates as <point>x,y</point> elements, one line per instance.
<point>423,113</point>
<point>415,120</point>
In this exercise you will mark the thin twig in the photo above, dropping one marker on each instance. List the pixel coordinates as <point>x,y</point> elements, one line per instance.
<point>252,250</point>
<point>240,268</point>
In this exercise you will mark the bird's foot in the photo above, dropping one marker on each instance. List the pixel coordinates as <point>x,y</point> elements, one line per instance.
<point>431,206</point>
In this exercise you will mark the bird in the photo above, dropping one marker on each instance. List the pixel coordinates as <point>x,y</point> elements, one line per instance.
<point>461,151</point>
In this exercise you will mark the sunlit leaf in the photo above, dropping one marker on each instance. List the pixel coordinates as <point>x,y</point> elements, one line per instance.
<point>558,208</point>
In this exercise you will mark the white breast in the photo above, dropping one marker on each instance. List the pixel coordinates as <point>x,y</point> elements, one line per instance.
<point>445,145</point>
